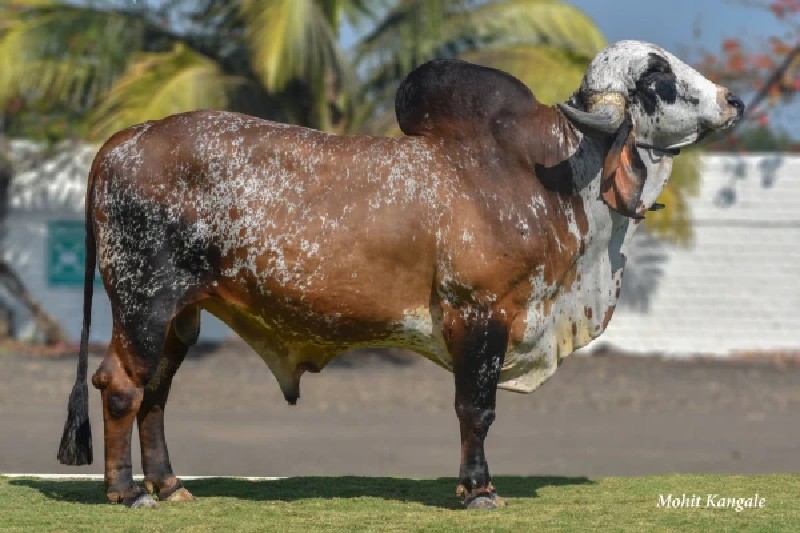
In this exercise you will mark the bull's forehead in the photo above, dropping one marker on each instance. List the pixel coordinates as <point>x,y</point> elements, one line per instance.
<point>618,67</point>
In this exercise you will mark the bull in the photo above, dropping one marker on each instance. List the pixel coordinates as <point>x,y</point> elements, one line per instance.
<point>490,239</point>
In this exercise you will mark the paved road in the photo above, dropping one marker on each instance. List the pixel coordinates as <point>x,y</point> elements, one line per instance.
<point>598,416</point>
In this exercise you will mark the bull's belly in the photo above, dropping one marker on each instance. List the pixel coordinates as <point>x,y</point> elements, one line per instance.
<point>289,350</point>
<point>529,362</point>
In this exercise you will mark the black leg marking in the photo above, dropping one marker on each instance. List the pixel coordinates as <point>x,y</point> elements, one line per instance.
<point>159,477</point>
<point>477,360</point>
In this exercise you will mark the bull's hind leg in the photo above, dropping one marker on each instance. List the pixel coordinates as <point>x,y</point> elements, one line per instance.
<point>478,354</point>
<point>134,362</point>
<point>122,393</point>
<point>158,476</point>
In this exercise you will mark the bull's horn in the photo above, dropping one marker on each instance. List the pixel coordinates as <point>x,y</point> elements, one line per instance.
<point>605,113</point>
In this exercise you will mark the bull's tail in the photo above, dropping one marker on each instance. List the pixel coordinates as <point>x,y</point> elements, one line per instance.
<point>76,442</point>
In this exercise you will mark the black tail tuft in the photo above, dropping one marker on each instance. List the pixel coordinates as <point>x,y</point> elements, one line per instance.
<point>76,442</point>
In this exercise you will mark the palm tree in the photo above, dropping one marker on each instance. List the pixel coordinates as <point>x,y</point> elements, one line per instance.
<point>125,62</point>
<point>121,63</point>
<point>545,43</point>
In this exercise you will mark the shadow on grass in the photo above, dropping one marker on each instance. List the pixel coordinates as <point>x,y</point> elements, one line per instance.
<point>433,492</point>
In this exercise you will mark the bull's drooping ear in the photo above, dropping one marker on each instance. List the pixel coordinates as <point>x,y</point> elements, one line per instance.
<point>624,173</point>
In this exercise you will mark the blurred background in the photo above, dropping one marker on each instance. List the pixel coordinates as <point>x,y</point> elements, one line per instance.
<point>712,284</point>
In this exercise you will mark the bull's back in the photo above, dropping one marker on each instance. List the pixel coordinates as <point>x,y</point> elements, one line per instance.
<point>279,221</point>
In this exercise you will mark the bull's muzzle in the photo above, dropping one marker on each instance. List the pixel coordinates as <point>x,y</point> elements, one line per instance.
<point>731,105</point>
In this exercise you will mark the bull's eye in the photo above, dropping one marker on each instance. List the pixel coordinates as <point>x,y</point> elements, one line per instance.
<point>666,89</point>
<point>653,71</point>
<point>658,82</point>
<point>656,65</point>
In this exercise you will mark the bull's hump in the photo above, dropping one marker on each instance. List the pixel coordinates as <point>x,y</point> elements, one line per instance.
<point>452,98</point>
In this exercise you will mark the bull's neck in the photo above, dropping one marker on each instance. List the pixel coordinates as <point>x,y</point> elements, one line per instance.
<point>569,164</point>
<point>585,155</point>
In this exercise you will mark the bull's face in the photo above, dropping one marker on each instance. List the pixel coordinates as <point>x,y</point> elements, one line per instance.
<point>671,104</point>
<point>643,97</point>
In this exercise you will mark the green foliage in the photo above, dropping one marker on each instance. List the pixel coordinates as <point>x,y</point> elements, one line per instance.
<point>65,55</point>
<point>754,139</point>
<point>82,58</point>
<point>546,43</point>
<point>291,39</point>
<point>552,73</point>
<point>298,39</point>
<point>316,504</point>
<point>5,166</point>
<point>674,223</point>
<point>158,84</point>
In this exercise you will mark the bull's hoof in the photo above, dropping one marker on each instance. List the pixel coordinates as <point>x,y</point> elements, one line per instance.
<point>484,498</point>
<point>175,492</point>
<point>482,503</point>
<point>485,502</point>
<point>180,495</point>
<point>144,501</point>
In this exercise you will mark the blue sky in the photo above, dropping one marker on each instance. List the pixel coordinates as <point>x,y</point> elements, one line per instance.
<point>682,26</point>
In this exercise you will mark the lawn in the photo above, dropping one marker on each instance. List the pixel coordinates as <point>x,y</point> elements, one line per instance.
<point>312,504</point>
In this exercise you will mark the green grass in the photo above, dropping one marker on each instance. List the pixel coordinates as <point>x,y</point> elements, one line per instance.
<point>313,504</point>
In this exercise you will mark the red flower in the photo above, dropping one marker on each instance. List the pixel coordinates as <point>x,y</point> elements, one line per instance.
<point>730,45</point>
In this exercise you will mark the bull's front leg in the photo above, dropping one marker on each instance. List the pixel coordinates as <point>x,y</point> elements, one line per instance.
<point>478,351</point>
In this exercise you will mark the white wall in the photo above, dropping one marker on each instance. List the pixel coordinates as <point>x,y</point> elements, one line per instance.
<point>736,289</point>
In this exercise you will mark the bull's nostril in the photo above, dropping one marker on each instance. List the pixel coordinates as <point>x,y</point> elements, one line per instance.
<point>736,102</point>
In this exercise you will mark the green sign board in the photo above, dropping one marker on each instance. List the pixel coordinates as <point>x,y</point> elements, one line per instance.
<point>66,253</point>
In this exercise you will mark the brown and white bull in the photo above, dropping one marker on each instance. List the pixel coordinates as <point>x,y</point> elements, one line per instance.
<point>491,239</point>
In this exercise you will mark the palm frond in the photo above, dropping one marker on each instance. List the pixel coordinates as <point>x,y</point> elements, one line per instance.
<point>552,73</point>
<point>51,51</point>
<point>354,12</point>
<point>296,40</point>
<point>418,30</point>
<point>536,22</point>
<point>546,43</point>
<point>158,84</point>
<point>290,39</point>
<point>408,33</point>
